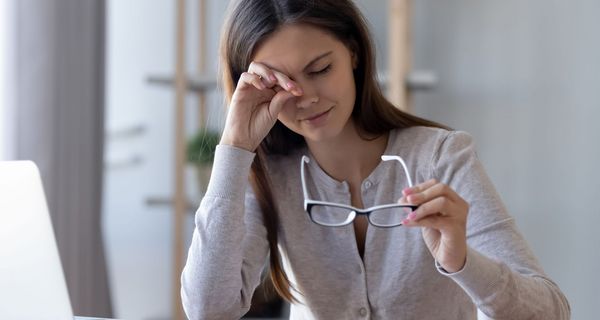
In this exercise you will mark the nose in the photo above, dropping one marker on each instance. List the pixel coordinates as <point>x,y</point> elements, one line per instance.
<point>308,99</point>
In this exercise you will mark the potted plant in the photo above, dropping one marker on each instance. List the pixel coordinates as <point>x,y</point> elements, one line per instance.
<point>200,153</point>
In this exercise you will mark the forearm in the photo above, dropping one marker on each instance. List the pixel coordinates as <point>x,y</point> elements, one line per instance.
<point>224,259</point>
<point>503,293</point>
<point>501,274</point>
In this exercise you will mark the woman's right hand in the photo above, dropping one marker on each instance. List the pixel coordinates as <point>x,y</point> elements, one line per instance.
<point>257,100</point>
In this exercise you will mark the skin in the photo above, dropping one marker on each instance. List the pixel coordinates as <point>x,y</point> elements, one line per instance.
<point>303,77</point>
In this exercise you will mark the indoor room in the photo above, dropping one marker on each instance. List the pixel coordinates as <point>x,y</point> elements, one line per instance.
<point>203,159</point>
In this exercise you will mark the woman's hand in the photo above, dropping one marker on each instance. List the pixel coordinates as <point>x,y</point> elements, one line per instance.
<point>257,100</point>
<point>442,214</point>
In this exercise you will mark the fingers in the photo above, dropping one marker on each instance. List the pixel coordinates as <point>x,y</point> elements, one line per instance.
<point>274,79</point>
<point>432,197</point>
<point>419,187</point>
<point>415,190</point>
<point>436,202</point>
<point>287,84</point>
<point>442,217</point>
<point>440,206</point>
<point>267,75</point>
<point>435,222</point>
<point>429,190</point>
<point>261,78</point>
<point>277,103</point>
<point>250,79</point>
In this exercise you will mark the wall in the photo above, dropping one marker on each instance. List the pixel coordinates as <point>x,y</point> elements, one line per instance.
<point>522,77</point>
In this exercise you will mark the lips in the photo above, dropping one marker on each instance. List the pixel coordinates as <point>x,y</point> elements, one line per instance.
<point>315,116</point>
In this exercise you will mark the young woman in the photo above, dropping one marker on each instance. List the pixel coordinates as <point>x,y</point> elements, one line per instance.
<point>346,235</point>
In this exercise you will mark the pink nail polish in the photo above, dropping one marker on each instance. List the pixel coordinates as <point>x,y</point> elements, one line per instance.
<point>412,216</point>
<point>289,85</point>
<point>272,77</point>
<point>407,191</point>
<point>405,221</point>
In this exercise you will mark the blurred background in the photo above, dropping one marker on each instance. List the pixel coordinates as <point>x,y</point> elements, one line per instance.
<point>106,96</point>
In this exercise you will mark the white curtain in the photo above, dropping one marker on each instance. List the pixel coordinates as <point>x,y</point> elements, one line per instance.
<point>58,121</point>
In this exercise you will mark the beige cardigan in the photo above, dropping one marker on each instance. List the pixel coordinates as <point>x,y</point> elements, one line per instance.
<point>398,278</point>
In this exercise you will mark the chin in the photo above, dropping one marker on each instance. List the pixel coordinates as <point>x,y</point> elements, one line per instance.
<point>321,134</point>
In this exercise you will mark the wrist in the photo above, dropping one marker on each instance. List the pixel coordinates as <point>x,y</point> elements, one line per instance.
<point>454,267</point>
<point>455,263</point>
<point>238,143</point>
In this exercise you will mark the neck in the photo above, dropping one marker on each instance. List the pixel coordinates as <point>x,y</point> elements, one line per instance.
<point>348,156</point>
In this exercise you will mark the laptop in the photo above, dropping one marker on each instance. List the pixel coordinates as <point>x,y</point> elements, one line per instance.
<point>32,283</point>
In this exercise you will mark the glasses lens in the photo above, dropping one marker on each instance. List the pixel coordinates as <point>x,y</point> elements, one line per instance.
<point>389,217</point>
<point>329,215</point>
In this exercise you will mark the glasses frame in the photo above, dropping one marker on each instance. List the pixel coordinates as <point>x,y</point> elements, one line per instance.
<point>310,203</point>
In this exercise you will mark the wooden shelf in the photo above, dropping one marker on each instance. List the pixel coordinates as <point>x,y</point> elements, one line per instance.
<point>415,80</point>
<point>421,80</point>
<point>166,201</point>
<point>199,83</point>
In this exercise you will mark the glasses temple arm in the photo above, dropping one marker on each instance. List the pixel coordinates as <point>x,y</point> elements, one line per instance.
<point>305,160</point>
<point>387,158</point>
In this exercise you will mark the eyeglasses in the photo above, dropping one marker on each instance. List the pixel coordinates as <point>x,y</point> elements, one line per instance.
<point>332,214</point>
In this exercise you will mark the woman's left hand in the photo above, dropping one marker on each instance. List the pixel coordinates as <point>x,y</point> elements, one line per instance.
<point>442,214</point>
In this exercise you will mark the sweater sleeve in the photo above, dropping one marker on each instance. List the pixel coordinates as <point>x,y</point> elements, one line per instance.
<point>229,244</point>
<point>501,274</point>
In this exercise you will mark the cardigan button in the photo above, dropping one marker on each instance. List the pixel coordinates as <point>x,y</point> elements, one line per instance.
<point>363,312</point>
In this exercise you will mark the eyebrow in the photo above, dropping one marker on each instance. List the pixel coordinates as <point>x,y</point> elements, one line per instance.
<point>317,59</point>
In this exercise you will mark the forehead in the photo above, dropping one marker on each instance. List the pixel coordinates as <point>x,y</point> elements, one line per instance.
<point>291,47</point>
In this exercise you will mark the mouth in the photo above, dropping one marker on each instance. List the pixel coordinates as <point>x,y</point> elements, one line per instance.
<point>317,116</point>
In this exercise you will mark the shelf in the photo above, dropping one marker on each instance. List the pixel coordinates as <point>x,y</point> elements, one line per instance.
<point>126,132</point>
<point>165,201</point>
<point>422,80</point>
<point>195,83</point>
<point>123,162</point>
<point>416,80</point>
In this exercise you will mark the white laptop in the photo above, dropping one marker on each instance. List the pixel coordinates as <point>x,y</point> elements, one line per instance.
<point>32,283</point>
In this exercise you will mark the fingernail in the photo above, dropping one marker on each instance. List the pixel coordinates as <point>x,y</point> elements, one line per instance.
<point>412,216</point>
<point>405,221</point>
<point>413,197</point>
<point>272,78</point>
<point>289,85</point>
<point>407,191</point>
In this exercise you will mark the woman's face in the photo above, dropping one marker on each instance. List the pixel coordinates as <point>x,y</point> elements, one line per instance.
<point>323,67</point>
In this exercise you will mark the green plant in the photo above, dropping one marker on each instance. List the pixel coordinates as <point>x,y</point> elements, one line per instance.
<point>201,147</point>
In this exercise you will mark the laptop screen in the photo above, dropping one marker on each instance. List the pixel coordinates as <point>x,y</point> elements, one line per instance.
<point>32,283</point>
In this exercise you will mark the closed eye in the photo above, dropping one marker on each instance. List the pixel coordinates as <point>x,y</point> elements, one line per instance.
<point>322,71</point>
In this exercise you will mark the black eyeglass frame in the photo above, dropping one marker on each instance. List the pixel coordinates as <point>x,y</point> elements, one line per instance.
<point>310,203</point>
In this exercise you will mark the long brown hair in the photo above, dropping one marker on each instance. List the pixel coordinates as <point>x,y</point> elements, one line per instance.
<point>251,21</point>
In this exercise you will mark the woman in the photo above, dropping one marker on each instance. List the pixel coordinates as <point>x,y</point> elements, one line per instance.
<point>346,234</point>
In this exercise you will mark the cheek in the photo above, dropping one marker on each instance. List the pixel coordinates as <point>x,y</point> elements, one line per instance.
<point>341,88</point>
